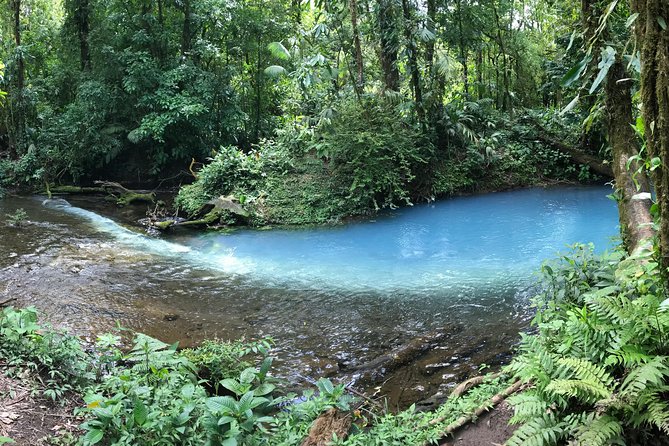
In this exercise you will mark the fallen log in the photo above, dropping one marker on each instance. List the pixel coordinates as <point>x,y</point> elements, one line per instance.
<point>326,426</point>
<point>577,155</point>
<point>375,370</point>
<point>209,214</point>
<point>465,419</point>
<point>125,196</point>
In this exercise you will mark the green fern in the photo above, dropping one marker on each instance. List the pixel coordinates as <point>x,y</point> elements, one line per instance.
<point>597,431</point>
<point>544,430</point>
<point>527,405</point>
<point>651,374</point>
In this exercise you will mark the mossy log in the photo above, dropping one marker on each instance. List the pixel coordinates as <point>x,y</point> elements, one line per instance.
<point>66,190</point>
<point>209,214</point>
<point>375,370</point>
<point>126,196</point>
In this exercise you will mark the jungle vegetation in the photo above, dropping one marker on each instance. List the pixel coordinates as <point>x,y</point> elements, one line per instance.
<point>337,108</point>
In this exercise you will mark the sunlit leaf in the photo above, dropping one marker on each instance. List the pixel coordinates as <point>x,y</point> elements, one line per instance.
<point>608,58</point>
<point>278,50</point>
<point>275,71</point>
<point>571,105</point>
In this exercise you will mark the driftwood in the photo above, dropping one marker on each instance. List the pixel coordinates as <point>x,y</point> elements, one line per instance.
<point>208,214</point>
<point>6,301</point>
<point>465,419</point>
<point>463,387</point>
<point>325,426</point>
<point>121,194</point>
<point>125,196</point>
<point>374,371</point>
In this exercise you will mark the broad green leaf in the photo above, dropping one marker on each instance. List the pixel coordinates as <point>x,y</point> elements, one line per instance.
<point>661,22</point>
<point>608,58</point>
<point>278,50</point>
<point>275,71</point>
<point>575,72</point>
<point>631,19</point>
<point>93,436</point>
<point>5,440</point>
<point>571,105</point>
<point>140,412</point>
<point>219,404</point>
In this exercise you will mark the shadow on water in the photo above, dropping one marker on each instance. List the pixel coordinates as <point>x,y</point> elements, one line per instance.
<point>332,298</point>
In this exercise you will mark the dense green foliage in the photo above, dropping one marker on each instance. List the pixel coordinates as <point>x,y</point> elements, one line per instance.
<point>307,111</point>
<point>151,394</point>
<point>598,363</point>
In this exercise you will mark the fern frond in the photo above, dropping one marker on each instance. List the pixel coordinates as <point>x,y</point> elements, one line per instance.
<point>545,430</point>
<point>652,409</point>
<point>628,356</point>
<point>650,374</point>
<point>583,370</point>
<point>527,405</point>
<point>597,431</point>
<point>586,391</point>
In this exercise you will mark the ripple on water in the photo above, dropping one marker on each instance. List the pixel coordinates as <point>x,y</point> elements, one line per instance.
<point>331,297</point>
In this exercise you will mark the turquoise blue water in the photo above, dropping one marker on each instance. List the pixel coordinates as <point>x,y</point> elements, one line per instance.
<point>331,297</point>
<point>498,238</point>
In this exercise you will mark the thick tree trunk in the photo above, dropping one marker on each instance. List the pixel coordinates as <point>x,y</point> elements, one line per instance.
<point>389,45</point>
<point>463,51</point>
<point>653,39</point>
<point>633,189</point>
<point>83,29</point>
<point>357,48</point>
<point>18,112</point>
<point>412,51</point>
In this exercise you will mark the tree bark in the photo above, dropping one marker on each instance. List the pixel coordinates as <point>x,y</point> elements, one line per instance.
<point>463,51</point>
<point>357,48</point>
<point>82,19</point>
<point>413,58</point>
<point>16,134</point>
<point>654,42</point>
<point>633,188</point>
<point>389,45</point>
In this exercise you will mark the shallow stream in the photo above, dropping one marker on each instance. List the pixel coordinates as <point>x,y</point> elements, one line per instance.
<point>331,297</point>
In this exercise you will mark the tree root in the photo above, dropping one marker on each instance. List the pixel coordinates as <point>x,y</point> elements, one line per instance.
<point>6,301</point>
<point>465,419</point>
<point>472,382</point>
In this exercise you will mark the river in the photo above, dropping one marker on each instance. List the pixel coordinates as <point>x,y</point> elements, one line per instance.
<point>331,297</point>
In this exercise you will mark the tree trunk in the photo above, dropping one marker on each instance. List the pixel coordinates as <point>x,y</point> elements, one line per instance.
<point>389,45</point>
<point>83,29</point>
<point>463,52</point>
<point>186,32</point>
<point>429,46</point>
<point>653,40</point>
<point>633,189</point>
<point>413,58</point>
<point>353,6</point>
<point>16,134</point>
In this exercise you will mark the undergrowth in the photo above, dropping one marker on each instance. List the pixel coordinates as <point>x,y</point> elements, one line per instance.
<point>598,363</point>
<point>218,394</point>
